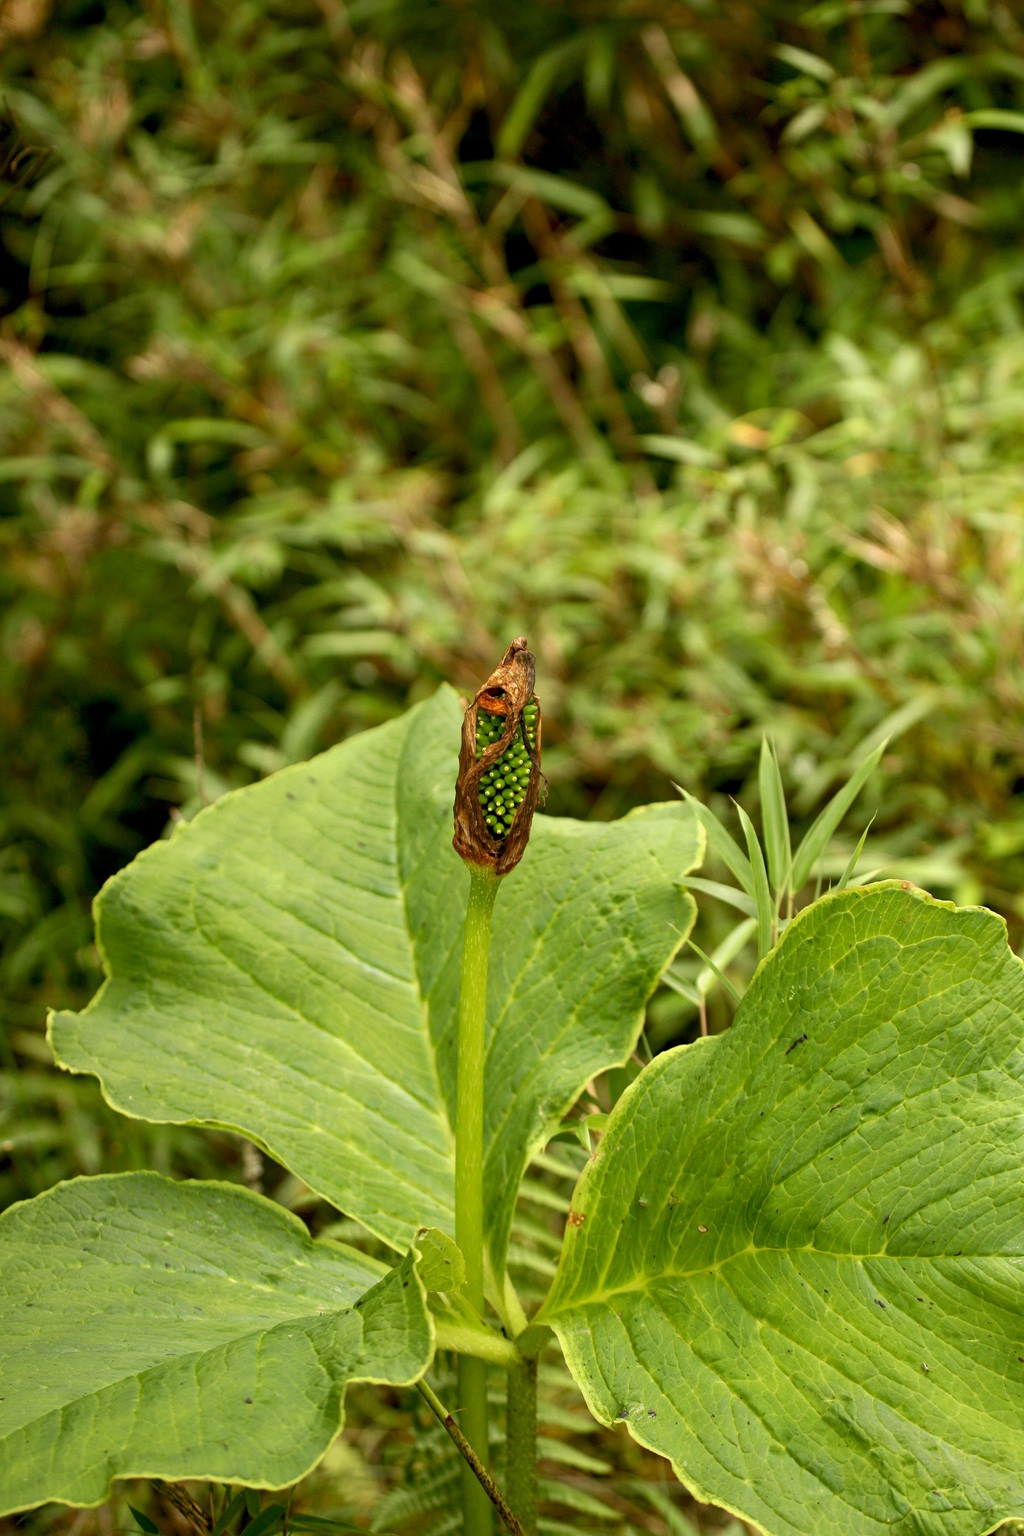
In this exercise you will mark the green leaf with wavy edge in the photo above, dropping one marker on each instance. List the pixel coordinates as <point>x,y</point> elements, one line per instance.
<point>158,1329</point>
<point>796,1265</point>
<point>287,965</point>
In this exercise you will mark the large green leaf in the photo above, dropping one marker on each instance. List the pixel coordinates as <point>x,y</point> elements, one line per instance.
<point>154,1329</point>
<point>795,1265</point>
<point>287,965</point>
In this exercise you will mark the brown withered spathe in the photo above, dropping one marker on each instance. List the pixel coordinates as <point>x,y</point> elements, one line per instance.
<point>506,693</point>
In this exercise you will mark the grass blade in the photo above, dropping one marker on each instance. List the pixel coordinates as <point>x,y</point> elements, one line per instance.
<point>868,875</point>
<point>813,845</point>
<point>774,818</point>
<point>727,893</point>
<point>721,976</point>
<point>724,844</point>
<point>762,893</point>
<point>725,953</point>
<point>682,988</point>
<point>269,1519</point>
<point>722,955</point>
<point>677,983</point>
<point>847,874</point>
<point>320,1525</point>
<point>229,1514</point>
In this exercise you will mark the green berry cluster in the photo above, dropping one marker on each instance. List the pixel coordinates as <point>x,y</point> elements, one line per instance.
<point>503,786</point>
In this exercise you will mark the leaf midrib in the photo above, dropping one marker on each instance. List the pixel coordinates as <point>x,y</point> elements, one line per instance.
<point>647,1281</point>
<point>734,1389</point>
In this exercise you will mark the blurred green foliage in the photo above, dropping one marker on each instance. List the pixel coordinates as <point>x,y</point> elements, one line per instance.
<point>341,342</point>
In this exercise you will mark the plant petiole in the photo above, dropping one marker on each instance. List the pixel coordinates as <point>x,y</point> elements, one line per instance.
<point>479,1342</point>
<point>469,1204</point>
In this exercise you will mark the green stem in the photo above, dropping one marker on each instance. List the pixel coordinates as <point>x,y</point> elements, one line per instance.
<point>481,1342</point>
<point>521,1444</point>
<point>469,1195</point>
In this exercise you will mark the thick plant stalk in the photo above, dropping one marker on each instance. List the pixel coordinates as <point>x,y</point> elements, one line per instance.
<point>496,795</point>
<point>469,1202</point>
<point>521,1444</point>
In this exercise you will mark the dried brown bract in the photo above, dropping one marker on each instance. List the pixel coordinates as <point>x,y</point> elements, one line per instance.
<point>499,765</point>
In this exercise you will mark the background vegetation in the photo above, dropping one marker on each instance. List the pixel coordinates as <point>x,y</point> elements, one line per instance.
<point>342,342</point>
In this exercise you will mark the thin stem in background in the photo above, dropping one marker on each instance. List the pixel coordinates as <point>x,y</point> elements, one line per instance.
<point>472,1461</point>
<point>185,1504</point>
<point>469,1203</point>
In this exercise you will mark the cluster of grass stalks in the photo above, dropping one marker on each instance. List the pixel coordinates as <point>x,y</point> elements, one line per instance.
<point>341,342</point>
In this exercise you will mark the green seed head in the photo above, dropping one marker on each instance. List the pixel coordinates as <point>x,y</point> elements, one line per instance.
<point>494,801</point>
<point>502,788</point>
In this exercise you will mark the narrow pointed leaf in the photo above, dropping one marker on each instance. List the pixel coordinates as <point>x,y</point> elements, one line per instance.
<point>683,988</point>
<point>155,1329</point>
<point>269,1519</point>
<point>306,934</point>
<point>762,894</point>
<point>723,842</point>
<point>774,819</point>
<point>320,1525</point>
<point>727,893</point>
<point>851,864</point>
<point>712,965</point>
<point>231,1511</point>
<point>795,1265</point>
<point>867,877</point>
<point>825,824</point>
<point>724,954</point>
